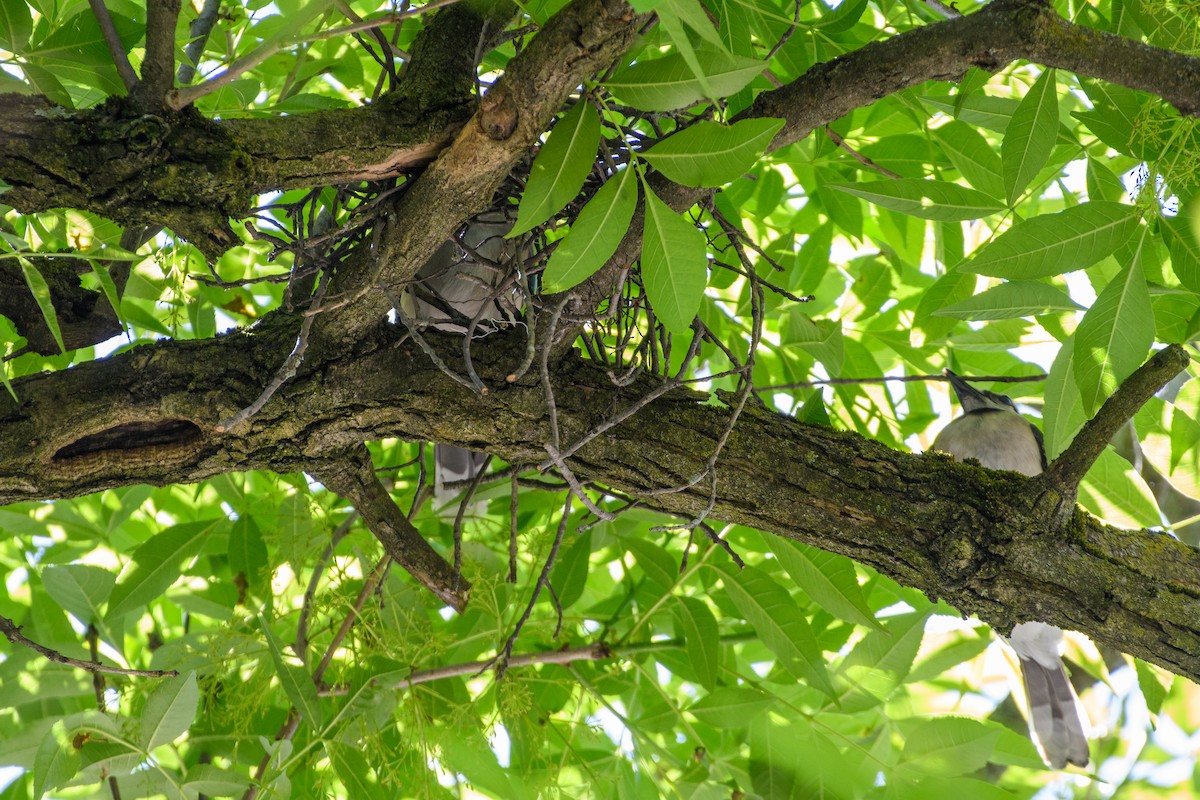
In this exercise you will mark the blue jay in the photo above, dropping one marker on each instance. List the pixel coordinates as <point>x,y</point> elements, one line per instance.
<point>466,279</point>
<point>991,431</point>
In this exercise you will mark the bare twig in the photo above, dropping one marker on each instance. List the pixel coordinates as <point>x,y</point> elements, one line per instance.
<point>857,156</point>
<point>462,510</point>
<point>12,631</point>
<point>198,33</point>
<point>1070,467</point>
<point>181,98</point>
<point>285,373</point>
<point>899,379</point>
<point>501,659</point>
<point>113,42</point>
<point>413,331</point>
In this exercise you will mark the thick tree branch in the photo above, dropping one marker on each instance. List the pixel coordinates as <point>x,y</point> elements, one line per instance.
<point>978,539</point>
<point>354,479</point>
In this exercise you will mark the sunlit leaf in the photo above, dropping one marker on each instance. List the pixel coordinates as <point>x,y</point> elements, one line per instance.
<point>1055,244</point>
<point>156,565</point>
<point>708,154</point>
<point>1030,135</point>
<point>674,265</point>
<point>594,236</point>
<point>926,199</point>
<point>560,168</point>
<point>1011,299</point>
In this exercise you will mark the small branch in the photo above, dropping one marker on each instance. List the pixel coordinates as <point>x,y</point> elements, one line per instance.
<point>900,379</point>
<point>462,511</point>
<point>354,478</point>
<point>1070,467</point>
<point>502,658</point>
<point>113,42</point>
<point>198,33</point>
<point>857,156</point>
<point>158,66</point>
<point>285,373</point>
<point>181,98</point>
<point>12,632</point>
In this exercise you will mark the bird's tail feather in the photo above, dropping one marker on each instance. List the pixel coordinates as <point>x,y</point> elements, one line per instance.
<point>451,465</point>
<point>1054,714</point>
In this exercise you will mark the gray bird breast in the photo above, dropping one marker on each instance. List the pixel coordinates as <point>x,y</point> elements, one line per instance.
<point>997,439</point>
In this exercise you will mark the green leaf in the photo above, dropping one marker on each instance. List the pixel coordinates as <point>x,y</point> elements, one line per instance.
<point>654,561</point>
<point>560,168</point>
<point>297,683</point>
<point>1154,683</point>
<point>79,589</point>
<point>1011,299</point>
<point>1184,247</point>
<point>1115,492</point>
<point>813,411</point>
<point>710,154</point>
<point>41,294</point>
<point>701,636</point>
<point>1063,415</point>
<point>949,746</point>
<point>972,155</point>
<point>247,551</point>
<point>993,113</point>
<point>881,662</point>
<point>156,565</point>
<point>1055,244</point>
<point>80,41</point>
<point>821,338</point>
<point>169,711</point>
<point>569,576</point>
<point>212,780</point>
<point>842,18</point>
<point>353,769</point>
<point>594,236</point>
<point>16,23</point>
<point>829,579</point>
<point>922,198</point>
<point>668,83</point>
<point>106,284</point>
<point>1113,337</point>
<point>1030,136</point>
<point>791,759</point>
<point>674,264</point>
<point>731,707</point>
<point>56,762</point>
<point>779,622</point>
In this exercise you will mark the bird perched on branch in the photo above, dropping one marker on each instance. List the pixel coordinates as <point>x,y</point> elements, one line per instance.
<point>469,284</point>
<point>992,432</point>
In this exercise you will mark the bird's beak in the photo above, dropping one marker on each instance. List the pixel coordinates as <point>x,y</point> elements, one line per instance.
<point>968,396</point>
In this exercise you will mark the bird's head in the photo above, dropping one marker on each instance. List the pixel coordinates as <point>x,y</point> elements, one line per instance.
<point>972,399</point>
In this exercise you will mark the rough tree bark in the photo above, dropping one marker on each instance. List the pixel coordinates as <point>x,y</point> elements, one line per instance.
<point>991,544</point>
